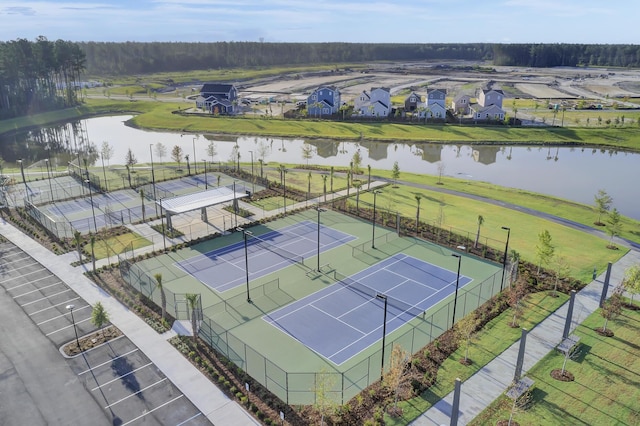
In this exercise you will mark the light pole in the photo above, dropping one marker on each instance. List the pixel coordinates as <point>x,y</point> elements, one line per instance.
<point>455,299</point>
<point>26,188</point>
<point>253,185</point>
<point>206,184</point>
<point>284,188</point>
<point>235,203</point>
<point>373,233</point>
<point>195,163</point>
<point>95,226</point>
<point>70,308</point>
<point>504,259</point>
<point>384,331</point>
<point>153,174</point>
<point>319,209</point>
<point>245,233</point>
<point>164,231</point>
<point>46,162</point>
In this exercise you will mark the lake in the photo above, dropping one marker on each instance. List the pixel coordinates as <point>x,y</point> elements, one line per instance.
<point>566,172</point>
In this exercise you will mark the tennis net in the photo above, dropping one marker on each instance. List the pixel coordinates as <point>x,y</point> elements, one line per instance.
<point>370,292</point>
<point>285,254</point>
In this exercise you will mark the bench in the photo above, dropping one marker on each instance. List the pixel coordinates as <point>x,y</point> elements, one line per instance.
<point>568,345</point>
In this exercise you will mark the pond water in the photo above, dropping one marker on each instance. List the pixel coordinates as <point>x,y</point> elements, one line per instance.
<point>571,173</point>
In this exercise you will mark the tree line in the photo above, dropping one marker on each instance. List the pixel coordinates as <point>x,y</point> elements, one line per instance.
<point>37,76</point>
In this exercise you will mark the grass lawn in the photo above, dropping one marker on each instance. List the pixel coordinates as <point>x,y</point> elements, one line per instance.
<point>491,341</point>
<point>117,244</point>
<point>272,203</point>
<point>581,250</point>
<point>606,388</point>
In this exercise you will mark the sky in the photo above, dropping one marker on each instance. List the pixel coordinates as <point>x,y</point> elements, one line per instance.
<point>357,21</point>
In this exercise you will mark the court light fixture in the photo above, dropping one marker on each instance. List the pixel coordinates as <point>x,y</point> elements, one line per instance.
<point>455,298</point>
<point>384,331</point>
<point>320,210</point>
<point>245,234</point>
<point>504,259</point>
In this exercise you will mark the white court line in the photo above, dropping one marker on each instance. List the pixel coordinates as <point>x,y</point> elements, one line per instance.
<point>106,362</point>
<point>151,411</point>
<point>68,326</point>
<point>38,289</point>
<point>44,298</point>
<point>134,394</point>
<point>61,316</point>
<point>337,318</point>
<point>54,306</point>
<point>28,282</point>
<point>124,375</point>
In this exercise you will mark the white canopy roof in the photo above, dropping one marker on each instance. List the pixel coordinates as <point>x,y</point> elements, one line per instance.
<point>186,203</point>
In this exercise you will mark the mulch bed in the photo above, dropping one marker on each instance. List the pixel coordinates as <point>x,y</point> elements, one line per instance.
<point>604,333</point>
<point>91,341</point>
<point>466,362</point>
<point>558,375</point>
<point>506,423</point>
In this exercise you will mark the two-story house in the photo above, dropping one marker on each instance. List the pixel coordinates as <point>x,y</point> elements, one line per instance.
<point>325,100</point>
<point>412,102</point>
<point>376,103</point>
<point>217,98</point>
<point>460,105</point>
<point>489,106</point>
<point>436,103</point>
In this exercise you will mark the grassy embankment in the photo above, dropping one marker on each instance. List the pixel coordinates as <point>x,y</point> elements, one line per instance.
<point>605,390</point>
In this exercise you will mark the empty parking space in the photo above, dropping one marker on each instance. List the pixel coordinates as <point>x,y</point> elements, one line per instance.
<point>120,378</point>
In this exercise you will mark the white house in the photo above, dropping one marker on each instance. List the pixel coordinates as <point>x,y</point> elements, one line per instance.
<point>436,111</point>
<point>491,112</point>
<point>490,97</point>
<point>376,103</point>
<point>460,105</point>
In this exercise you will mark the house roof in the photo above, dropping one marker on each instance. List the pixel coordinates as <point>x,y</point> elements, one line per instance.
<point>216,88</point>
<point>485,91</point>
<point>461,97</point>
<point>431,91</point>
<point>414,94</point>
<point>381,103</point>
<point>477,108</point>
<point>364,92</point>
<point>386,89</point>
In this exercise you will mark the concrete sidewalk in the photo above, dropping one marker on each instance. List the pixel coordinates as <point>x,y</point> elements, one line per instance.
<point>491,381</point>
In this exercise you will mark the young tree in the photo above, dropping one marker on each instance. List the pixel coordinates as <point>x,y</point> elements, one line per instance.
<point>441,168</point>
<point>562,270</point>
<point>331,172</point>
<point>515,296</point>
<point>163,296</point>
<point>176,155</point>
<point>77,239</point>
<point>307,152</point>
<point>466,328</point>
<point>130,159</point>
<point>480,222</point>
<point>192,300</point>
<point>161,150</point>
<point>603,204</point>
<point>397,370</point>
<point>631,282</point>
<point>212,150</point>
<point>544,249</point>
<point>142,203</point>
<point>324,186</point>
<point>357,162</point>
<point>325,394</point>
<point>614,226</point>
<point>99,316</point>
<point>106,151</point>
<point>395,173</point>
<point>611,308</point>
<point>418,197</point>
<point>309,185</point>
<point>514,259</point>
<point>369,178</point>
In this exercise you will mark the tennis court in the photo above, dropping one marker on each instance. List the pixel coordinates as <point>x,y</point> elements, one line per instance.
<point>343,319</point>
<point>225,268</point>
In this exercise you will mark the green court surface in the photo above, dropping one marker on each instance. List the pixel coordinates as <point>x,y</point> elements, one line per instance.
<point>284,365</point>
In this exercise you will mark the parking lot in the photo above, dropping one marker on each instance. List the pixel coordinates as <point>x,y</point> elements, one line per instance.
<point>120,379</point>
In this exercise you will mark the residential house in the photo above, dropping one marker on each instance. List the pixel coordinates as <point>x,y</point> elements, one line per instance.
<point>436,103</point>
<point>489,106</point>
<point>325,100</point>
<point>377,103</point>
<point>218,98</point>
<point>412,102</point>
<point>460,105</point>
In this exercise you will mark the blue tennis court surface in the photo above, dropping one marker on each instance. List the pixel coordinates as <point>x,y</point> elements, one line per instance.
<point>224,268</point>
<point>341,320</point>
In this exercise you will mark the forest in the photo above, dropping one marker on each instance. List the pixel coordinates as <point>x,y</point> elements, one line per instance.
<point>43,75</point>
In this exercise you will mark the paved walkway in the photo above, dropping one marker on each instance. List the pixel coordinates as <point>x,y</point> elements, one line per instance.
<point>490,382</point>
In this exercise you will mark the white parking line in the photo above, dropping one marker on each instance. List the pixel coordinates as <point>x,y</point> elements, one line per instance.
<point>151,411</point>
<point>134,394</point>
<point>61,316</point>
<point>21,275</point>
<point>37,290</point>
<point>4,255</point>
<point>118,378</point>
<point>189,419</point>
<point>44,298</point>
<point>106,362</point>
<point>66,302</point>
<point>68,326</point>
<point>28,282</point>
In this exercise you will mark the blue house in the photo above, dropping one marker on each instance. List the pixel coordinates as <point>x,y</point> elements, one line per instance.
<point>325,100</point>
<point>217,98</point>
